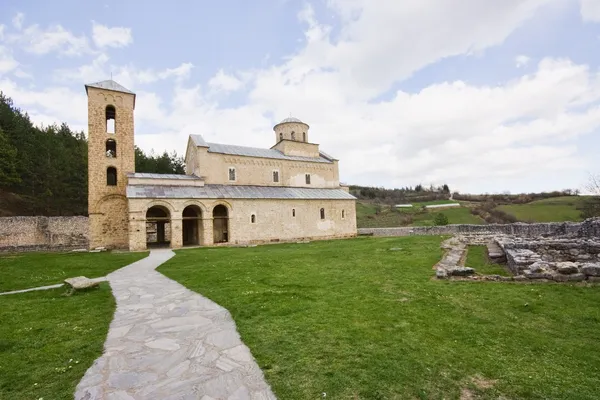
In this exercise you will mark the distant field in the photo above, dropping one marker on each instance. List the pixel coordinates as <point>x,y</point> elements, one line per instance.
<point>367,217</point>
<point>557,209</point>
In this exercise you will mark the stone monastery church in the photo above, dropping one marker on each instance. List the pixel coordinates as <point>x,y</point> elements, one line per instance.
<point>229,194</point>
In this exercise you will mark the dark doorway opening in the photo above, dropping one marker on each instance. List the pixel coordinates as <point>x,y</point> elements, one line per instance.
<point>220,224</point>
<point>192,226</point>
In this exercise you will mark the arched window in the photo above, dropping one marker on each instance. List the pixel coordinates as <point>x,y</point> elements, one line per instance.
<point>111,115</point>
<point>322,213</point>
<point>293,136</point>
<point>307,178</point>
<point>304,136</point>
<point>293,212</point>
<point>111,176</point>
<point>343,214</point>
<point>275,176</point>
<point>281,136</point>
<point>111,148</point>
<point>253,218</point>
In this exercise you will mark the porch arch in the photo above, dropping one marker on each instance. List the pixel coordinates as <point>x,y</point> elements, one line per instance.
<point>191,226</point>
<point>220,215</point>
<point>158,226</point>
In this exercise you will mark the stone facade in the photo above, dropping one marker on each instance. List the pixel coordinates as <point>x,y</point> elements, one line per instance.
<point>143,209</point>
<point>43,233</point>
<point>274,221</point>
<point>107,204</point>
<point>214,168</point>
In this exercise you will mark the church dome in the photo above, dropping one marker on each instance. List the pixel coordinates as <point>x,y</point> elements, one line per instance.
<point>291,119</point>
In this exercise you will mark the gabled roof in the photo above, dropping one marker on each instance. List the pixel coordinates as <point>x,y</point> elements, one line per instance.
<point>109,84</point>
<point>198,140</point>
<point>260,152</point>
<point>234,192</point>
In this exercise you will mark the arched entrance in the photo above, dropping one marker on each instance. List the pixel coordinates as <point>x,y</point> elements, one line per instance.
<point>220,224</point>
<point>191,225</point>
<point>158,227</point>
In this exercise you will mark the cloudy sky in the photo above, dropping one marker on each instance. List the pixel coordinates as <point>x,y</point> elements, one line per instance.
<point>484,95</point>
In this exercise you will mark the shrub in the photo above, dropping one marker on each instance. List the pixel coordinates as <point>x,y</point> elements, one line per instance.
<point>440,219</point>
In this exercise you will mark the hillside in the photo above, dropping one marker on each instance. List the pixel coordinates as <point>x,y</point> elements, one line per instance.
<point>373,215</point>
<point>557,209</point>
<point>554,209</point>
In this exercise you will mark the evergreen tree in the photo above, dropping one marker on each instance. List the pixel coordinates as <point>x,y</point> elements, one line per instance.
<point>8,162</point>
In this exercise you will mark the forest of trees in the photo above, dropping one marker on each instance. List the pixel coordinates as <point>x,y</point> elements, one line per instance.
<point>400,195</point>
<point>43,170</point>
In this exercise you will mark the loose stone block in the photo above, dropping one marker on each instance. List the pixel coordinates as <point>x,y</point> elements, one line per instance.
<point>81,282</point>
<point>441,273</point>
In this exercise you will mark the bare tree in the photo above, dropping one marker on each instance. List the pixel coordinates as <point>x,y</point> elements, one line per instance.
<point>593,186</point>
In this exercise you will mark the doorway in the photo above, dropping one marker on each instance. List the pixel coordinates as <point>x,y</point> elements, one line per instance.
<point>220,224</point>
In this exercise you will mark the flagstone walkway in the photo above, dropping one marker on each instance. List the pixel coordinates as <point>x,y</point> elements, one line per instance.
<point>167,342</point>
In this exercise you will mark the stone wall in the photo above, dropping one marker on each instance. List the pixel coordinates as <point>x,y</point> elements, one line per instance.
<point>43,233</point>
<point>517,229</point>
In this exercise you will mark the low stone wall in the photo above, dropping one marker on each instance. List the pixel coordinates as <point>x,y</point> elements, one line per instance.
<point>517,229</point>
<point>43,233</point>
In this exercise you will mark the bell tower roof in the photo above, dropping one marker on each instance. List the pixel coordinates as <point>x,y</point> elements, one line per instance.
<point>109,84</point>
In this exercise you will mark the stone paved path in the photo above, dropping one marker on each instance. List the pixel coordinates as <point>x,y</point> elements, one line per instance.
<point>167,342</point>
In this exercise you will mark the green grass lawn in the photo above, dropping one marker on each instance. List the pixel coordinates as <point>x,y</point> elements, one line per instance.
<point>354,320</point>
<point>48,340</point>
<point>27,270</point>
<point>366,216</point>
<point>556,209</point>
<point>477,258</point>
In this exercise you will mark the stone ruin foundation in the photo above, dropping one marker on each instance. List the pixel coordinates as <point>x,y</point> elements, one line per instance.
<point>568,257</point>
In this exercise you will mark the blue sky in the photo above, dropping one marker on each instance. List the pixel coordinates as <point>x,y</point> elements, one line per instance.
<point>486,96</point>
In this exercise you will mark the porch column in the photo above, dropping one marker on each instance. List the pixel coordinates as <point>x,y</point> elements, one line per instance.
<point>207,232</point>
<point>176,233</point>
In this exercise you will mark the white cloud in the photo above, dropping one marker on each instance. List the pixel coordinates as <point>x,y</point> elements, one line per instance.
<point>382,41</point>
<point>127,75</point>
<point>469,136</point>
<point>104,36</point>
<point>55,38</point>
<point>7,62</point>
<point>522,61</point>
<point>18,20</point>
<point>50,105</point>
<point>2,27</point>
<point>225,82</point>
<point>590,10</point>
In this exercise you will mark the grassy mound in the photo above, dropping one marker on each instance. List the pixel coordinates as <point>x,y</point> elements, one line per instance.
<point>556,209</point>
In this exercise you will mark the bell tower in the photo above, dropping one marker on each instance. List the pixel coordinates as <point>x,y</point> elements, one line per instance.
<point>110,157</point>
